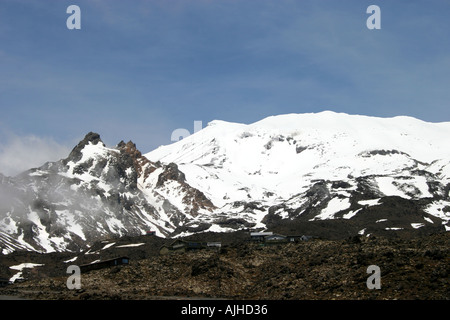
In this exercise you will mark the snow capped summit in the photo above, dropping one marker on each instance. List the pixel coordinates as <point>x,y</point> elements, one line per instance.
<point>273,161</point>
<point>283,154</point>
<point>355,134</point>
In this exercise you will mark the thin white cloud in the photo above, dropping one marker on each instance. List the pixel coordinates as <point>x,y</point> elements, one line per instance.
<point>18,154</point>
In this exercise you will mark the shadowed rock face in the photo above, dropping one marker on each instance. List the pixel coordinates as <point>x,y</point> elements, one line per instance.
<point>91,137</point>
<point>171,173</point>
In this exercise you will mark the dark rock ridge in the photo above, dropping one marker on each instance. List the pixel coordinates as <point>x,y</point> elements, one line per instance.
<point>75,155</point>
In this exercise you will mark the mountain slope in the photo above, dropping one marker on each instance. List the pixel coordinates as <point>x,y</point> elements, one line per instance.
<point>318,164</point>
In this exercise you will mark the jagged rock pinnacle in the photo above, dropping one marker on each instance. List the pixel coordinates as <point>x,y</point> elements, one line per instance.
<point>91,137</point>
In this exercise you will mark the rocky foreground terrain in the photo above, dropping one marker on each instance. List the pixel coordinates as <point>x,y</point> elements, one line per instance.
<point>411,268</point>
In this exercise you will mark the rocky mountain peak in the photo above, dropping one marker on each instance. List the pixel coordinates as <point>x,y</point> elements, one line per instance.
<point>171,173</point>
<point>130,148</point>
<point>90,138</point>
<point>141,164</point>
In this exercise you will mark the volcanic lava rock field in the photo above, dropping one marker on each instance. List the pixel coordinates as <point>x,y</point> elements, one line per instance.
<point>318,269</point>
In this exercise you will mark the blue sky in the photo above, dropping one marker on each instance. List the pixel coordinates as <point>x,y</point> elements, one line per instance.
<point>137,70</point>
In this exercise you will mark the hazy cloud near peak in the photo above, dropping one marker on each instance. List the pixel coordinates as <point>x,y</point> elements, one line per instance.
<point>20,153</point>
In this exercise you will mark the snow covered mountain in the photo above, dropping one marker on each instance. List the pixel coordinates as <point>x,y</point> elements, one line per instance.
<point>320,174</point>
<point>316,167</point>
<point>95,193</point>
